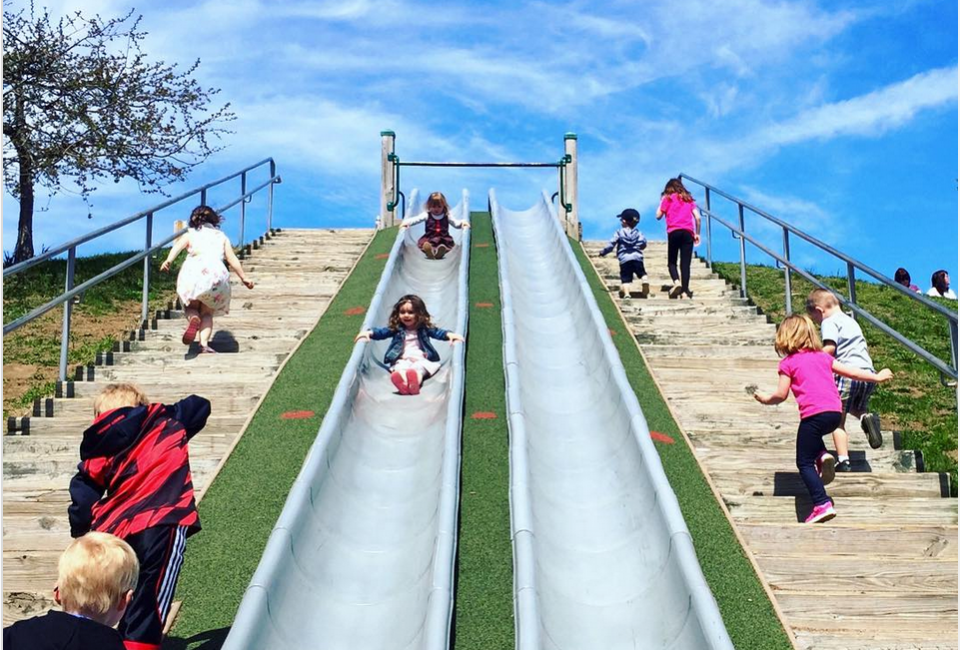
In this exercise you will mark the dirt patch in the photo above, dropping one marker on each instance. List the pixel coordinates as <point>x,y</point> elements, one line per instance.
<point>31,355</point>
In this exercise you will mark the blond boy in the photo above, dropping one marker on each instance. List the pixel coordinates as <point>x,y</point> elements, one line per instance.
<point>97,574</point>
<point>843,338</point>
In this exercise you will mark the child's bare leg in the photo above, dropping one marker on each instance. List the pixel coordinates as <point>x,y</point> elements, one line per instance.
<point>841,443</point>
<point>206,325</point>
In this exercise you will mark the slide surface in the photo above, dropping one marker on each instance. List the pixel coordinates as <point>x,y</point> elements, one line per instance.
<point>602,556</point>
<point>362,554</point>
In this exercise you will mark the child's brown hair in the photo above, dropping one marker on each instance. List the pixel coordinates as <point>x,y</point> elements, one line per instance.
<point>419,309</point>
<point>795,333</point>
<point>821,298</point>
<point>95,573</point>
<point>116,396</point>
<point>204,214</point>
<point>676,186</point>
<point>438,199</point>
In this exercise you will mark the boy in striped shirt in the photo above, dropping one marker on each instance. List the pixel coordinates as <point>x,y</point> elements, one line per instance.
<point>134,481</point>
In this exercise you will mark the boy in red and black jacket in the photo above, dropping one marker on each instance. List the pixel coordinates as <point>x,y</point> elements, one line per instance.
<point>134,482</point>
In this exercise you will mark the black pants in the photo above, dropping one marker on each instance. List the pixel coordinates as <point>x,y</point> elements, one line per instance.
<point>680,242</point>
<point>160,551</point>
<point>810,446</point>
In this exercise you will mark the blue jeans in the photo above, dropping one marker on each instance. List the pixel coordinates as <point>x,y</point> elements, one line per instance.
<point>810,446</point>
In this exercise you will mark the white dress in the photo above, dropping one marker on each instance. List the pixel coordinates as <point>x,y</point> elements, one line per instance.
<point>204,277</point>
<point>414,357</point>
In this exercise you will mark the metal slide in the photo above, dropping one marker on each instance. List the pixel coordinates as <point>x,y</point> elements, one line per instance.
<point>362,554</point>
<point>602,556</point>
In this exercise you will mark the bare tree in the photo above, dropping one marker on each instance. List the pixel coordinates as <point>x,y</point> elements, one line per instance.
<point>81,101</point>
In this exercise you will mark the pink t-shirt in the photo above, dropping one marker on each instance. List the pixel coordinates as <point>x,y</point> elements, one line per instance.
<point>679,213</point>
<point>812,383</point>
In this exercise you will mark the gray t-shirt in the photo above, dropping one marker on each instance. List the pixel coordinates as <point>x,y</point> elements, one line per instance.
<point>846,334</point>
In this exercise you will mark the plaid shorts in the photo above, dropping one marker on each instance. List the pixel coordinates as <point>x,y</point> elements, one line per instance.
<point>854,394</point>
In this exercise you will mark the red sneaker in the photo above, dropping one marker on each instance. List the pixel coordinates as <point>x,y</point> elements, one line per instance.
<point>413,382</point>
<point>822,512</point>
<point>191,332</point>
<point>397,380</point>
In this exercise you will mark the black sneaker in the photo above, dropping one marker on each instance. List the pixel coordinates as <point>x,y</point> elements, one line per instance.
<point>843,467</point>
<point>870,423</point>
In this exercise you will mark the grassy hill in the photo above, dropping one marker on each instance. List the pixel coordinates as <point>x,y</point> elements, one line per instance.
<point>915,403</point>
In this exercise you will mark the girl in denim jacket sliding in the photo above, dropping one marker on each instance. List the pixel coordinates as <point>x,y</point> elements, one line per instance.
<point>411,357</point>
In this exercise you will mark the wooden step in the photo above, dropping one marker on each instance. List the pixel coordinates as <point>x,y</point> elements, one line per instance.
<point>876,540</point>
<point>855,510</point>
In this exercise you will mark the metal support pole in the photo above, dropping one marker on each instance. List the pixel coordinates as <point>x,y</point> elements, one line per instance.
<point>743,256</point>
<point>569,210</point>
<point>148,243</point>
<point>709,232</point>
<point>953,342</point>
<point>243,205</point>
<point>273,173</point>
<point>387,179</point>
<point>786,272</point>
<point>203,196</point>
<point>851,285</point>
<point>67,311</point>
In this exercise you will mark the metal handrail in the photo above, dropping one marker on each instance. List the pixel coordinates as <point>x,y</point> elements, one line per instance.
<point>852,265</point>
<point>71,291</point>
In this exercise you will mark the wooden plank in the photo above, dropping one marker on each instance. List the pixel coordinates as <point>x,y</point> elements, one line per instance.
<point>790,510</point>
<point>875,540</point>
<point>751,482</point>
<point>823,574</point>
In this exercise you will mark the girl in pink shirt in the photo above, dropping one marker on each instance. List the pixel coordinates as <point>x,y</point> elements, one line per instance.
<point>808,371</point>
<point>683,233</point>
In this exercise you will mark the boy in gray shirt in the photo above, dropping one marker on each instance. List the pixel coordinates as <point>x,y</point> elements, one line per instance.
<point>843,338</point>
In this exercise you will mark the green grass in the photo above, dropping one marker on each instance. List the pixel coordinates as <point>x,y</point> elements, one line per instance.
<point>914,402</point>
<point>483,617</point>
<point>242,505</point>
<point>746,610</point>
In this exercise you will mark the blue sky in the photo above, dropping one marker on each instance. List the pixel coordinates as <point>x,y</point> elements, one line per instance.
<point>840,117</point>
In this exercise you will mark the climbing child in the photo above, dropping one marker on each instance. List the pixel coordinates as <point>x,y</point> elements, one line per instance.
<point>203,283</point>
<point>629,243</point>
<point>808,371</point>
<point>436,240</point>
<point>134,481</point>
<point>96,576</point>
<point>683,233</point>
<point>411,357</point>
<point>843,338</point>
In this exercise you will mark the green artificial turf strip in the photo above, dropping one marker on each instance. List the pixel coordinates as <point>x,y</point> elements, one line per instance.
<point>483,615</point>
<point>242,505</point>
<point>746,610</point>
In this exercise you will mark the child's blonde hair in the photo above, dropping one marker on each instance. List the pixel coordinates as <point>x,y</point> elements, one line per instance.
<point>438,199</point>
<point>116,396</point>
<point>821,298</point>
<point>795,333</point>
<point>95,573</point>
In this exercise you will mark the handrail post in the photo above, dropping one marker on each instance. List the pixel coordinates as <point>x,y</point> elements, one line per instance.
<point>148,244</point>
<point>743,255</point>
<point>273,174</point>
<point>786,272</point>
<point>953,342</point>
<point>67,312</point>
<point>709,230</point>
<point>243,204</point>
<point>570,208</point>
<point>388,179</point>
<point>851,285</point>
<point>203,196</point>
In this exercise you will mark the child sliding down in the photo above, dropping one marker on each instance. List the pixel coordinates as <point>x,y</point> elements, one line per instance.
<point>436,240</point>
<point>411,357</point>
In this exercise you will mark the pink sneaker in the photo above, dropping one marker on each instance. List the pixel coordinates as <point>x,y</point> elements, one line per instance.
<point>822,512</point>
<point>397,380</point>
<point>826,467</point>
<point>413,382</point>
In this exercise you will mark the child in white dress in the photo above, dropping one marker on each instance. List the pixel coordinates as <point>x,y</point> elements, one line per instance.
<point>204,281</point>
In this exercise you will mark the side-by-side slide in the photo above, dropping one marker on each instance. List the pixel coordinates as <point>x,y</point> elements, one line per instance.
<point>362,555</point>
<point>602,556</point>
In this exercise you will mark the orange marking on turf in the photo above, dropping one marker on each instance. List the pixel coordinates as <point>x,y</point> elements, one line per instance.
<point>612,332</point>
<point>381,256</point>
<point>297,415</point>
<point>481,245</point>
<point>355,311</point>
<point>484,415</point>
<point>662,437</point>
<point>483,305</point>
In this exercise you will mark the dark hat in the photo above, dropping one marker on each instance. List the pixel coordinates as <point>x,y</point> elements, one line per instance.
<point>630,215</point>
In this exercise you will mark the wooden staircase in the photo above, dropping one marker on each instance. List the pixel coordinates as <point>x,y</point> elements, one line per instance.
<point>883,574</point>
<point>297,273</point>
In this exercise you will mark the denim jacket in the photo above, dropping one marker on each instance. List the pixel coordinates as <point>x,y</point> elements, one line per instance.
<point>424,334</point>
